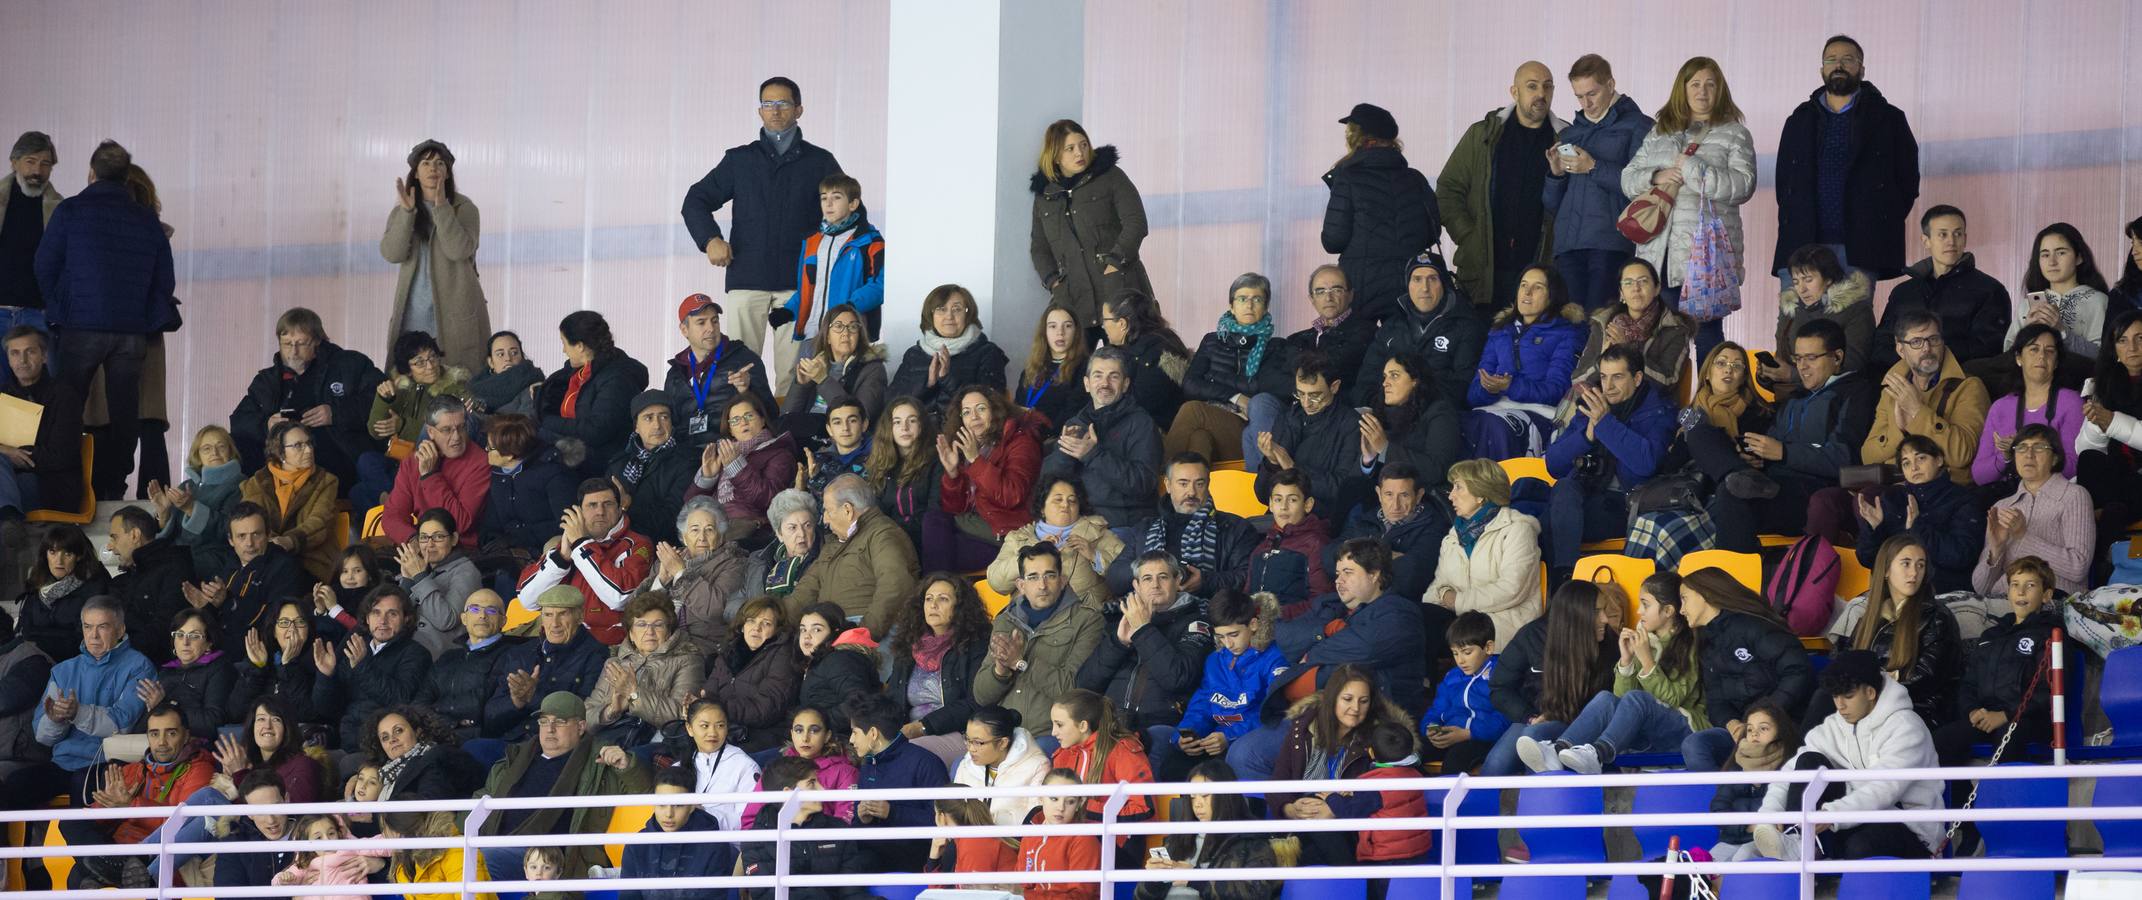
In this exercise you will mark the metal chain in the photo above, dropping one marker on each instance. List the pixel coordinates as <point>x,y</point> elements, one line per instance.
<point>2015,719</point>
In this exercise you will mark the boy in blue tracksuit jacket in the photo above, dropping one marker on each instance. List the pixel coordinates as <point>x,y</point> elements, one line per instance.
<point>701,859</point>
<point>1239,674</point>
<point>843,262</point>
<point>1463,725</point>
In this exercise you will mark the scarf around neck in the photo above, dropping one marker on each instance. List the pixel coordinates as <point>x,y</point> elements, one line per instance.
<point>287,483</point>
<point>1469,528</point>
<point>930,651</point>
<point>1765,760</point>
<point>392,771</point>
<point>1261,332</point>
<point>931,341</point>
<point>725,491</point>
<point>636,467</point>
<point>1199,543</point>
<point>842,225</point>
<point>1723,412</point>
<point>60,588</point>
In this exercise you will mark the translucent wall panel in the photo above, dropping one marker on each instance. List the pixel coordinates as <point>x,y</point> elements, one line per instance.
<point>275,132</point>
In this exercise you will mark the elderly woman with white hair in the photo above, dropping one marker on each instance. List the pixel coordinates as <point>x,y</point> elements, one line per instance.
<point>774,570</point>
<point>702,573</point>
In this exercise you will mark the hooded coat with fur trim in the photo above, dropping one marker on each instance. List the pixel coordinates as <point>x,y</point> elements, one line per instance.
<point>1084,226</point>
<point>1849,303</point>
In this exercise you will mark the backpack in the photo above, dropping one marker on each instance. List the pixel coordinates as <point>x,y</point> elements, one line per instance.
<point>1804,585</point>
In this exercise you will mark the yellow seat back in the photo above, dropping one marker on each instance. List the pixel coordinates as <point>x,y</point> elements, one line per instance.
<point>1746,568</point>
<point>1235,491</point>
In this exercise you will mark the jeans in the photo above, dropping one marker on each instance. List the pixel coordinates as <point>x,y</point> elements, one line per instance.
<point>11,316</point>
<point>1593,276</point>
<point>194,830</point>
<point>18,490</point>
<point>1254,754</point>
<point>1264,411</point>
<point>1706,750</point>
<point>81,354</point>
<point>1503,759</point>
<point>504,863</point>
<point>1577,514</point>
<point>1708,334</point>
<point>1635,722</point>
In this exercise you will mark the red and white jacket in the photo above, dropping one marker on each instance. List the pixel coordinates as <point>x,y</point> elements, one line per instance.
<point>605,570</point>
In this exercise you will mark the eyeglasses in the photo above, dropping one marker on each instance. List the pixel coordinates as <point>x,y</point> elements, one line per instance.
<point>1636,282</point>
<point>423,359</point>
<point>475,610</point>
<point>1840,60</point>
<point>189,636</point>
<point>1328,290</point>
<point>428,537</point>
<point>296,446</point>
<point>973,744</point>
<point>741,418</point>
<point>288,623</point>
<point>777,105</point>
<point>2034,448</point>
<point>1921,343</point>
<point>651,625</point>
<point>844,328</point>
<point>1810,357</point>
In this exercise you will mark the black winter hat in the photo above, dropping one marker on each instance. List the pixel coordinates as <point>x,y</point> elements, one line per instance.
<point>429,146</point>
<point>648,398</point>
<point>1374,120</point>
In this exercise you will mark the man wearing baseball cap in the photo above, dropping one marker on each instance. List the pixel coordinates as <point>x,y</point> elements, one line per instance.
<point>709,372</point>
<point>562,760</point>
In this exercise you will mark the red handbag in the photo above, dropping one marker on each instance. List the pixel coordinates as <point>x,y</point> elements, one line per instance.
<point>1647,215</point>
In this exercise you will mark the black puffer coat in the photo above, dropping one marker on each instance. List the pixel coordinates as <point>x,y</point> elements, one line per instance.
<point>836,675</point>
<point>602,415</point>
<point>203,691</point>
<point>1327,448</point>
<point>981,363</point>
<point>1745,660</point>
<point>150,593</point>
<point>1218,370</point>
<point>460,682</point>
<point>343,380</point>
<point>759,692</point>
<point>55,624</point>
<point>1449,337</point>
<point>1157,384</point>
<point>1084,226</point>
<point>2000,667</point>
<point>658,493</point>
<point>288,681</point>
<point>1382,212</point>
<point>1937,666</point>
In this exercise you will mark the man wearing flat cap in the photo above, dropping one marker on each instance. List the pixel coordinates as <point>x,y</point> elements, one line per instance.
<point>565,658</point>
<point>655,467</point>
<point>563,759</point>
<point>1382,211</point>
<point>1492,186</point>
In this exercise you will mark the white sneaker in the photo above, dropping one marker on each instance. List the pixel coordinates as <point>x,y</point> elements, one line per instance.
<point>1538,755</point>
<point>1775,843</point>
<point>1582,759</point>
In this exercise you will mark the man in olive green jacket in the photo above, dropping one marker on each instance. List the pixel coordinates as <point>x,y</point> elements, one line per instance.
<point>869,565</point>
<point>1484,180</point>
<point>562,760</point>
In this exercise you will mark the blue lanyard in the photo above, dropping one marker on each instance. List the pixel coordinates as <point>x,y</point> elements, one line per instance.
<point>1033,394</point>
<point>703,383</point>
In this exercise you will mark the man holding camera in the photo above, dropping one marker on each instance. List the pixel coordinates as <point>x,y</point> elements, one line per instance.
<point>1612,445</point>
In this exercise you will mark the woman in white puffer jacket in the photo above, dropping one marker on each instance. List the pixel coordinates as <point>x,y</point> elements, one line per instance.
<point>1700,111</point>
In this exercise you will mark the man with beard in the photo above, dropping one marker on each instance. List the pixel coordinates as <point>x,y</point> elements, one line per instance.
<point>1212,546</point>
<point>30,200</point>
<point>1927,393</point>
<point>1847,170</point>
<point>1491,189</point>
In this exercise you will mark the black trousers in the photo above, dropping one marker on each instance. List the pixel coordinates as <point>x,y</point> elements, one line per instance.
<point>1857,841</point>
<point>81,354</point>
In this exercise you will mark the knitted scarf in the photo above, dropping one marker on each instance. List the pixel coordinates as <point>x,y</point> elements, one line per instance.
<point>781,577</point>
<point>287,482</point>
<point>725,491</point>
<point>641,456</point>
<point>1723,412</point>
<point>1642,325</point>
<point>1200,541</point>
<point>1261,331</point>
<point>1767,759</point>
<point>931,341</point>
<point>842,225</point>
<point>392,771</point>
<point>930,651</point>
<point>1469,528</point>
<point>60,588</point>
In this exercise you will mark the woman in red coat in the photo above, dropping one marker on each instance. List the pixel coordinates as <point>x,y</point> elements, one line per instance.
<point>990,462</point>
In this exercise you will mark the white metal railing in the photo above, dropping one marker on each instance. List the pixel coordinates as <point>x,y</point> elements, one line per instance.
<point>1446,827</point>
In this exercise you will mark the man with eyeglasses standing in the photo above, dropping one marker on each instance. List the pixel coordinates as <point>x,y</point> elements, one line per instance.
<point>462,678</point>
<point>1927,393</point>
<point>774,183</point>
<point>1337,332</point>
<point>440,474</point>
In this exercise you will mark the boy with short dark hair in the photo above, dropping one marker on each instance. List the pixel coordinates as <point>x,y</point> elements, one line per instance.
<point>1463,725</point>
<point>842,263</point>
<point>806,857</point>
<point>701,859</point>
<point>1874,727</point>
<point>1392,748</point>
<point>1239,673</point>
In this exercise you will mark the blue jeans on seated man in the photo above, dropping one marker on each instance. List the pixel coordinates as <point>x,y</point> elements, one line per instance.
<point>1579,512</point>
<point>1707,750</point>
<point>1635,722</point>
<point>1503,760</point>
<point>192,831</point>
<point>1253,755</point>
<point>18,490</point>
<point>1593,276</point>
<point>1264,411</point>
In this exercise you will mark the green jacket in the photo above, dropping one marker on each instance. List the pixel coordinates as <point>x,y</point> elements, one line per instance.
<point>582,777</point>
<point>1054,653</point>
<point>410,399</point>
<point>1684,693</point>
<point>1465,191</point>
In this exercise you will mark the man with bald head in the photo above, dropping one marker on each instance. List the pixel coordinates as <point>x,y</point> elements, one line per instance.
<point>1490,189</point>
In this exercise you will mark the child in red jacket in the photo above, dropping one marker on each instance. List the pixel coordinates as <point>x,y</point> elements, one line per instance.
<point>1099,751</point>
<point>1391,747</point>
<point>970,854</point>
<point>1061,853</point>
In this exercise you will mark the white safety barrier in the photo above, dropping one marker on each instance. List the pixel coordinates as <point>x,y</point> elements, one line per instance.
<point>1446,828</point>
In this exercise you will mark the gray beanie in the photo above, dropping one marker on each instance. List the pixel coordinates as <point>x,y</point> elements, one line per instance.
<point>32,142</point>
<point>430,146</point>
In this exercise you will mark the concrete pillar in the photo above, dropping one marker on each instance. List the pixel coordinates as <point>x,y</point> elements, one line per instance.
<point>971,85</point>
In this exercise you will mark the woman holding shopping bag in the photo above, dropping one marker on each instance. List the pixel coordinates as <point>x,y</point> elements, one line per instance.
<point>1701,160</point>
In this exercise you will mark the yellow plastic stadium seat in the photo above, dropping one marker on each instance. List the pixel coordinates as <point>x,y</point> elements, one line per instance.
<point>1753,368</point>
<point>991,600</point>
<point>87,512</point>
<point>1852,578</point>
<point>339,532</point>
<point>1526,467</point>
<point>1235,491</point>
<point>517,615</point>
<point>626,820</point>
<point>57,866</point>
<point>1746,568</point>
<point>1626,572</point>
<point>1230,465</point>
<point>372,528</point>
<point>1686,388</point>
<point>1610,545</point>
<point>1815,644</point>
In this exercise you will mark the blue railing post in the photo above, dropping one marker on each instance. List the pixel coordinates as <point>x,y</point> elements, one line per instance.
<point>470,855</point>
<point>1809,797</point>
<point>1451,801</point>
<point>1108,847</point>
<point>164,862</point>
<point>788,814</point>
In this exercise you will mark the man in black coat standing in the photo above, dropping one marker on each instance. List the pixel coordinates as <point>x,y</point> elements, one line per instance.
<point>1847,170</point>
<point>774,182</point>
<point>1381,212</point>
<point>313,381</point>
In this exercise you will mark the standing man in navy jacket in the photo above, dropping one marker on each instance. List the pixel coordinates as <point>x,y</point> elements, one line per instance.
<point>774,181</point>
<point>1847,170</point>
<point>1611,447</point>
<point>105,269</point>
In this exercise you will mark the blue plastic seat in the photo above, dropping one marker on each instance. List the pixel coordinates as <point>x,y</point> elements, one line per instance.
<point>1562,845</point>
<point>1540,887</point>
<point>1884,885</point>
<point>1324,889</point>
<point>1760,886</point>
<point>2004,885</point>
<point>2024,839</point>
<point>1673,798</point>
<point>907,891</point>
<point>2119,691</point>
<point>1476,846</point>
<point>2123,837</point>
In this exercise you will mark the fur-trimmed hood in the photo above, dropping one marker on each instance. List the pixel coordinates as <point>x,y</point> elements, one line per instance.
<point>454,381</point>
<point>1104,159</point>
<point>1267,613</point>
<point>1855,288</point>
<point>1386,708</point>
<point>1573,313</point>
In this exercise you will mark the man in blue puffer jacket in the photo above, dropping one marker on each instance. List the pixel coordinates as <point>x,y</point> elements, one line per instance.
<point>1612,446</point>
<point>105,269</point>
<point>1583,190</point>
